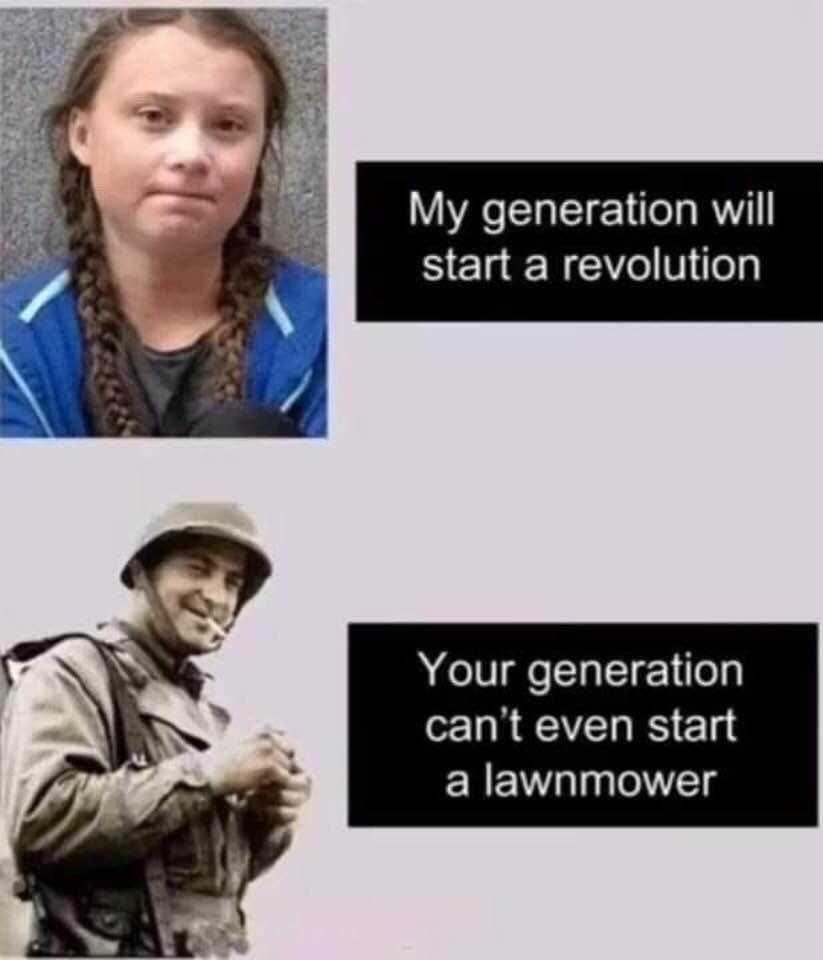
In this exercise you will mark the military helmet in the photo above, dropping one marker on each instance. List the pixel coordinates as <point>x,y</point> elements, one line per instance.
<point>224,521</point>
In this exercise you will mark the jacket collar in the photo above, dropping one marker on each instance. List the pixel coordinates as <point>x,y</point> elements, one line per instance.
<point>169,689</point>
<point>159,662</point>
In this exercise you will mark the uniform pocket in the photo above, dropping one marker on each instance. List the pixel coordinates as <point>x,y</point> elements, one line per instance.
<point>185,853</point>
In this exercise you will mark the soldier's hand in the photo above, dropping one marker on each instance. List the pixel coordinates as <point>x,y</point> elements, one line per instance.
<point>261,759</point>
<point>279,804</point>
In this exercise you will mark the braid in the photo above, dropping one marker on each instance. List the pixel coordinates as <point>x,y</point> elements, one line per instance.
<point>247,266</point>
<point>101,319</point>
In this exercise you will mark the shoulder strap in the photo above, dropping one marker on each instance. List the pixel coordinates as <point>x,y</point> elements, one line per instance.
<point>131,735</point>
<point>23,652</point>
<point>29,649</point>
<point>129,731</point>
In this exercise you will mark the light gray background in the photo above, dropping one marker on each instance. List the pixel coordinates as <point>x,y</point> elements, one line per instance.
<point>36,47</point>
<point>504,473</point>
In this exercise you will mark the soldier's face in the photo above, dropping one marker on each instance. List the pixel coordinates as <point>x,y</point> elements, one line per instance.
<point>199,584</point>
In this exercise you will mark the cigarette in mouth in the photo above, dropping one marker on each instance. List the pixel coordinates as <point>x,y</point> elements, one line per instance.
<point>217,628</point>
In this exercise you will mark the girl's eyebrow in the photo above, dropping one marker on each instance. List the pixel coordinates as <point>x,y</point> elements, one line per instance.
<point>171,99</point>
<point>155,95</point>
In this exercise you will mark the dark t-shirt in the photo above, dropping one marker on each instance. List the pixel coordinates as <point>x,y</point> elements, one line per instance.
<point>171,381</point>
<point>172,394</point>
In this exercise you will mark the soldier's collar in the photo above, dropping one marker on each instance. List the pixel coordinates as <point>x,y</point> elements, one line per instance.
<point>148,648</point>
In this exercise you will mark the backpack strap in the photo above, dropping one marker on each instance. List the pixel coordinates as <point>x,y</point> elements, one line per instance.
<point>133,740</point>
<point>129,731</point>
<point>23,652</point>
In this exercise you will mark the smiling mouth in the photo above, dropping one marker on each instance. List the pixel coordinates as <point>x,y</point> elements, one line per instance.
<point>206,619</point>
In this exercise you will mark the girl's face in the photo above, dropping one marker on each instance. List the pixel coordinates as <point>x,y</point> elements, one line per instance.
<point>172,140</point>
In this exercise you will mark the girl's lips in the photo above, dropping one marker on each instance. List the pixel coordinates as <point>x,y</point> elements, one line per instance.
<point>182,195</point>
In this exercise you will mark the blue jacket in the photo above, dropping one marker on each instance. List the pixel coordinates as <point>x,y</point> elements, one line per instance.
<point>41,353</point>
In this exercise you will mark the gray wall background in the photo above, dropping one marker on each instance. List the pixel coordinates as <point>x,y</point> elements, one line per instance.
<point>35,49</point>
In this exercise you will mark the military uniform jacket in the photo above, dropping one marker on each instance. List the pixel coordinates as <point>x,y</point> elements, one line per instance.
<point>83,827</point>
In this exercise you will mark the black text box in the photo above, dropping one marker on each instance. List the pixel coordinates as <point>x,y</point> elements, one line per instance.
<point>718,728</point>
<point>442,242</point>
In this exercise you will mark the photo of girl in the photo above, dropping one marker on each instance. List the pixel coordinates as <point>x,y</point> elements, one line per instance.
<point>168,315</point>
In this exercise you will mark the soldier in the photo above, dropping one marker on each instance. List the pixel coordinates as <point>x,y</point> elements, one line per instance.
<point>137,822</point>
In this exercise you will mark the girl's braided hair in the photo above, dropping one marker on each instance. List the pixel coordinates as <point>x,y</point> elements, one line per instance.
<point>247,261</point>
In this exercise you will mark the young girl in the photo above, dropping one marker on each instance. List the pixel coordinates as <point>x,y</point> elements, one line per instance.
<point>170,317</point>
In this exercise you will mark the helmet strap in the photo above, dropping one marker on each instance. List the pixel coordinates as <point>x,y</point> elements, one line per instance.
<point>141,580</point>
